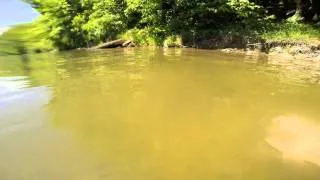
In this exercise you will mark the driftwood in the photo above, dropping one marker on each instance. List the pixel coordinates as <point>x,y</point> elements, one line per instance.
<point>111,44</point>
<point>126,43</point>
<point>115,44</point>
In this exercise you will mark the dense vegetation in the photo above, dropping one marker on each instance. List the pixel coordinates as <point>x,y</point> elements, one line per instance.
<point>82,23</point>
<point>25,38</point>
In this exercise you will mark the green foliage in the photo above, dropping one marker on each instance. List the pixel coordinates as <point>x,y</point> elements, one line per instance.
<point>173,41</point>
<point>59,17</point>
<point>292,31</point>
<point>105,21</point>
<point>142,37</point>
<point>82,23</point>
<point>26,38</point>
<point>296,18</point>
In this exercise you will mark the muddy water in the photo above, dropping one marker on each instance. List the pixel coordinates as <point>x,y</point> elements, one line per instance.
<point>157,114</point>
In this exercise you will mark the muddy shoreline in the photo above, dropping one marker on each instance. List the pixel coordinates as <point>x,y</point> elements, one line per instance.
<point>292,52</point>
<point>249,45</point>
<point>245,45</point>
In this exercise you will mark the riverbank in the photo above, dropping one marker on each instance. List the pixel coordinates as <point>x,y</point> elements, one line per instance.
<point>279,49</point>
<point>286,39</point>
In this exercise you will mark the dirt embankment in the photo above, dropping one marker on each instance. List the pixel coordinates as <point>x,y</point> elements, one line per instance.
<point>253,44</point>
<point>237,44</point>
<point>249,44</point>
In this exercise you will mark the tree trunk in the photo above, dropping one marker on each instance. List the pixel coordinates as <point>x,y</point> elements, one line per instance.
<point>298,6</point>
<point>316,8</point>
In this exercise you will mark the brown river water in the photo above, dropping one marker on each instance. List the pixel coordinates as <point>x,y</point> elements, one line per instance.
<point>158,114</point>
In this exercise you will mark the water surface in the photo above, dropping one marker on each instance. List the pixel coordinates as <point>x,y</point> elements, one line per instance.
<point>158,114</point>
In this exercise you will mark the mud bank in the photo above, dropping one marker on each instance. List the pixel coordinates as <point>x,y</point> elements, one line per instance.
<point>254,44</point>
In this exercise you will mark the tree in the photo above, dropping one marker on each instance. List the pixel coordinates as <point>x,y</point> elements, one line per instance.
<point>79,23</point>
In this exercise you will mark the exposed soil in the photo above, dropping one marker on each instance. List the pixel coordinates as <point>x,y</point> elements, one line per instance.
<point>253,45</point>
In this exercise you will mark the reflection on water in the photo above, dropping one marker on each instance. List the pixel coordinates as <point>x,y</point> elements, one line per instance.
<point>158,114</point>
<point>11,84</point>
<point>20,106</point>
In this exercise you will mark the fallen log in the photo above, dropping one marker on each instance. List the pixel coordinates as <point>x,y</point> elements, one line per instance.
<point>126,43</point>
<point>111,44</point>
